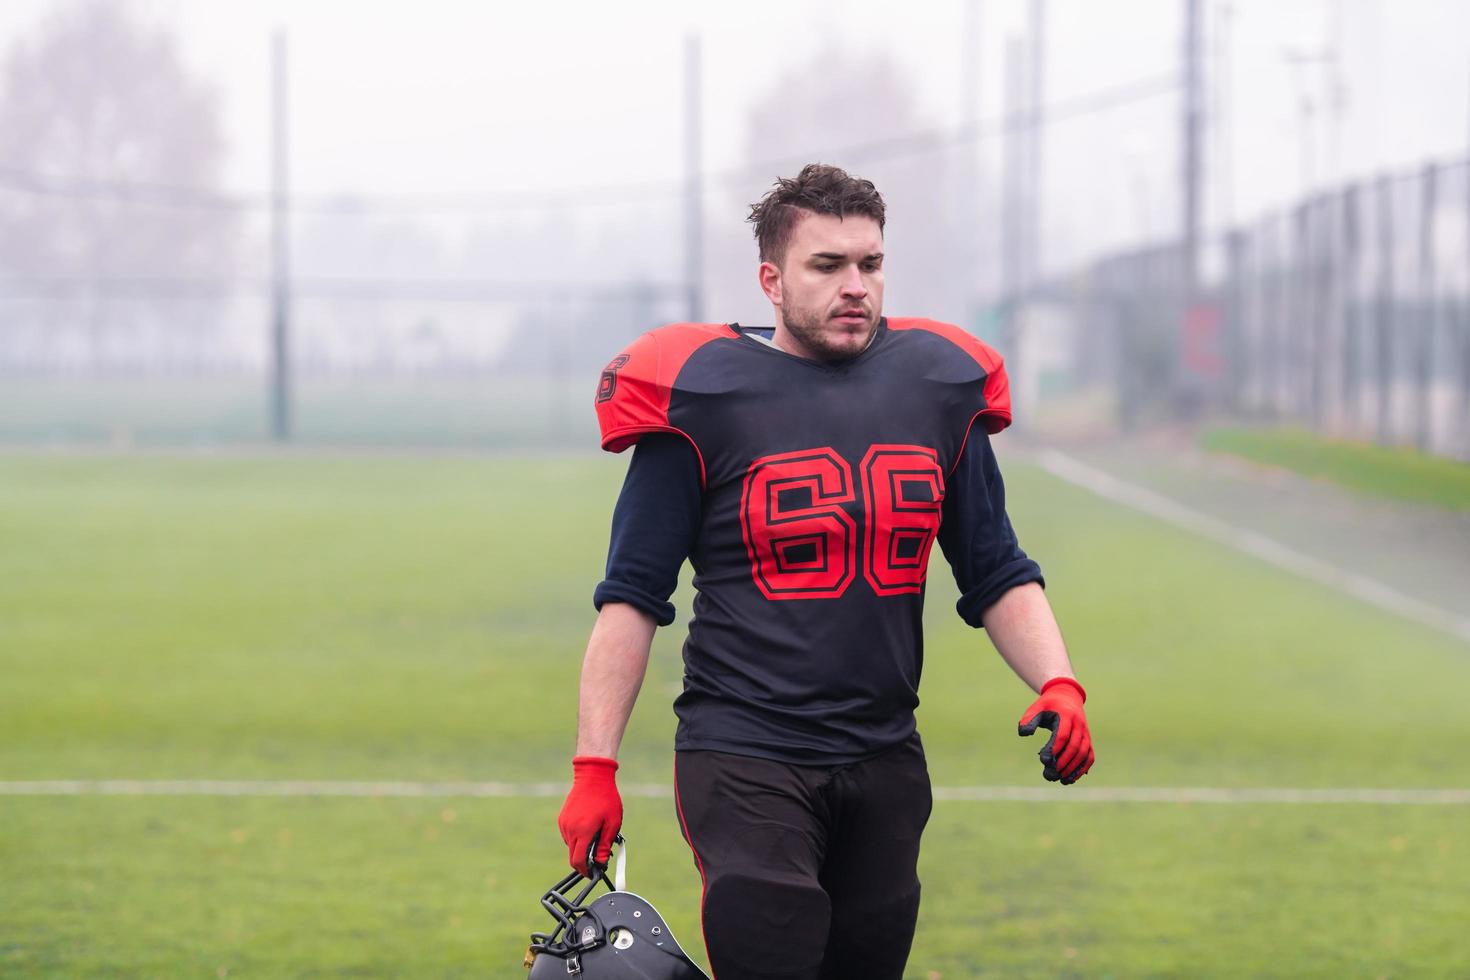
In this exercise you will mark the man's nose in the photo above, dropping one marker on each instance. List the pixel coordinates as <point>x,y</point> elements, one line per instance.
<point>852,283</point>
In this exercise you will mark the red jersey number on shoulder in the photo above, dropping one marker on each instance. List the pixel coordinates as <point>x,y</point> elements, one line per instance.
<point>607,385</point>
<point>802,542</point>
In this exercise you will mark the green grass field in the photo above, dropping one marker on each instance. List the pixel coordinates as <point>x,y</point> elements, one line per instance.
<point>422,618</point>
<point>476,411</point>
<point>1391,473</point>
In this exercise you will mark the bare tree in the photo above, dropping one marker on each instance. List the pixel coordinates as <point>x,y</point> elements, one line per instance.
<point>110,156</point>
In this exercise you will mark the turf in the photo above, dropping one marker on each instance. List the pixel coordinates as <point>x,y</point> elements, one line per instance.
<point>423,618</point>
<point>475,411</point>
<point>1391,473</point>
<point>206,887</point>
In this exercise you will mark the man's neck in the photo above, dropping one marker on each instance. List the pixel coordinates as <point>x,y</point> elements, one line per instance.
<point>782,340</point>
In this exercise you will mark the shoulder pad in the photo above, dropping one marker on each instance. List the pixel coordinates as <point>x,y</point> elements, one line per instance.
<point>634,390</point>
<point>996,414</point>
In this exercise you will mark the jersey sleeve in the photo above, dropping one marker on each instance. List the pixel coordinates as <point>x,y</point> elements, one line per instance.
<point>976,535</point>
<point>653,528</point>
<point>636,388</point>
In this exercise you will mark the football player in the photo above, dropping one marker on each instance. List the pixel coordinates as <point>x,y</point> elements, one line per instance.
<point>806,471</point>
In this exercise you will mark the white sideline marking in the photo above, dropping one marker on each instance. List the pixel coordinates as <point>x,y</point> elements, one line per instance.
<point>949,794</point>
<point>1200,794</point>
<point>1252,543</point>
<point>300,787</point>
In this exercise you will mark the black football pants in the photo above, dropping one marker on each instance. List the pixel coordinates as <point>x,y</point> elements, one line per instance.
<point>810,872</point>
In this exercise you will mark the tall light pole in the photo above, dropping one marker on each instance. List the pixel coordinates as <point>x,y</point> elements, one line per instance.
<point>1035,126</point>
<point>1223,157</point>
<point>970,170</point>
<point>693,186</point>
<point>1012,204</point>
<point>1192,148</point>
<point>280,247</point>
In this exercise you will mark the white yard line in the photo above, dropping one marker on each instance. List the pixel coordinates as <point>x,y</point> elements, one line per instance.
<point>947,794</point>
<point>1200,794</point>
<point>1252,543</point>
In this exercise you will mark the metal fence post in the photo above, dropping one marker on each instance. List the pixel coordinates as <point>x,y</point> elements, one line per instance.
<point>1463,415</point>
<point>1282,309</point>
<point>1232,325</point>
<point>1427,319</point>
<point>1383,317</point>
<point>1352,348</point>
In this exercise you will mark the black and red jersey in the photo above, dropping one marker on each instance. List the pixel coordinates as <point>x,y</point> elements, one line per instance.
<point>807,497</point>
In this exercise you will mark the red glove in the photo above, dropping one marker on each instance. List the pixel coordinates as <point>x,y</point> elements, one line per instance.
<point>1067,755</point>
<point>593,810</point>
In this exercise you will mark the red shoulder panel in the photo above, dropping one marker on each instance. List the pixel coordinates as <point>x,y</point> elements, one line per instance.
<point>634,390</point>
<point>997,412</point>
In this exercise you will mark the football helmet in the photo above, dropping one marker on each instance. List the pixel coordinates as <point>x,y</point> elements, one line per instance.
<point>619,936</point>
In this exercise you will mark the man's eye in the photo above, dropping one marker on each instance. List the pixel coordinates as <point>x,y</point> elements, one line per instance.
<point>828,267</point>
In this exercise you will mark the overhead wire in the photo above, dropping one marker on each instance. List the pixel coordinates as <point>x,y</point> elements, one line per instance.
<point>329,288</point>
<point>578,197</point>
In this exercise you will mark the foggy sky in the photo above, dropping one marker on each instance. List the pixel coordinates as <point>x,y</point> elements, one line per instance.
<point>458,97</point>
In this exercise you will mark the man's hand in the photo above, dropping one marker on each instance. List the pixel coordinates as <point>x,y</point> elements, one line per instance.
<point>593,810</point>
<point>1067,755</point>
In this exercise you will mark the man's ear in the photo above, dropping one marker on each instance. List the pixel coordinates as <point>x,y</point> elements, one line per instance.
<point>770,279</point>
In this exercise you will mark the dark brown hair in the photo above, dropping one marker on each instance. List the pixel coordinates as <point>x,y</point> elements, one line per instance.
<point>818,189</point>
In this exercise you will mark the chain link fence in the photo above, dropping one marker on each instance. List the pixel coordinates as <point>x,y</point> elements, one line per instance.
<point>1348,313</point>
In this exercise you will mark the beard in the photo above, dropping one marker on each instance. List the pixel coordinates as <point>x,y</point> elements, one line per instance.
<point>823,336</point>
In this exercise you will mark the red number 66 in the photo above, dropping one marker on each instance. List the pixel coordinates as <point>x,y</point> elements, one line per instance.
<point>802,542</point>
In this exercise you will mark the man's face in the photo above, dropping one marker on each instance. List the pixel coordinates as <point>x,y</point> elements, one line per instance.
<point>828,291</point>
